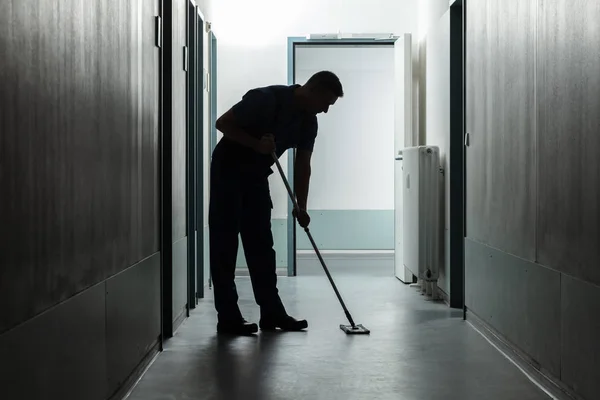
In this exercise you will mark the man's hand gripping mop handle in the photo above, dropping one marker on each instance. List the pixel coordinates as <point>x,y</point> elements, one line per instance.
<point>295,203</point>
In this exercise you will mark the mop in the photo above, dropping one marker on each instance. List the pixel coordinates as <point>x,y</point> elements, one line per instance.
<point>349,329</point>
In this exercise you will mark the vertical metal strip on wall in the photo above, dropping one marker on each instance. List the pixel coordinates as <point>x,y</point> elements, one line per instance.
<point>192,97</point>
<point>291,221</point>
<point>212,43</point>
<point>200,155</point>
<point>166,168</point>
<point>456,161</point>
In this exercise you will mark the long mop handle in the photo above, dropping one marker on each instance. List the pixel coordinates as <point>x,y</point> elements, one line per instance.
<point>312,241</point>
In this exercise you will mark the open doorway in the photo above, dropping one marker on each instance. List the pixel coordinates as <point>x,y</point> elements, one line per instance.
<point>352,185</point>
<point>349,169</point>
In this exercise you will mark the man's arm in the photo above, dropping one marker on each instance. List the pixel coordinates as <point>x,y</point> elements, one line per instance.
<point>256,105</point>
<point>302,177</point>
<point>230,129</point>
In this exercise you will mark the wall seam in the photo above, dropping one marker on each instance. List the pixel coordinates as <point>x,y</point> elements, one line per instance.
<point>18,325</point>
<point>562,273</point>
<point>106,345</point>
<point>561,327</point>
<point>81,292</point>
<point>537,5</point>
<point>140,118</point>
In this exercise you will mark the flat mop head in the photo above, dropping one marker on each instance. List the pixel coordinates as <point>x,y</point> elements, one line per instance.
<point>355,330</point>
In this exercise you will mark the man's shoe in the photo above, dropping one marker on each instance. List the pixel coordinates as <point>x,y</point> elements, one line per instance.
<point>240,328</point>
<point>285,323</point>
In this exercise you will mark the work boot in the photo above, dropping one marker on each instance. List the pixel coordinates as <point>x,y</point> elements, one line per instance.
<point>285,323</point>
<point>240,328</point>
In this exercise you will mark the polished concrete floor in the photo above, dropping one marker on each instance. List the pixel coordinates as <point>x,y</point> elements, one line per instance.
<point>417,350</point>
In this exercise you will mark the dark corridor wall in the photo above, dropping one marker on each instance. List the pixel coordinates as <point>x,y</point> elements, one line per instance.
<point>78,149</point>
<point>533,181</point>
<point>79,210</point>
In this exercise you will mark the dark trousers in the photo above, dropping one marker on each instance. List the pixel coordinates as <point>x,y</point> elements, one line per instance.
<point>240,204</point>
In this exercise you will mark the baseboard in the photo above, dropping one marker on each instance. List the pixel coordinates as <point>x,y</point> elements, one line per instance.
<point>551,385</point>
<point>125,390</point>
<point>179,320</point>
<point>444,296</point>
<point>206,288</point>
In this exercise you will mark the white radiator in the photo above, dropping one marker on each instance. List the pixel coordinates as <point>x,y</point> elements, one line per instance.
<point>421,222</point>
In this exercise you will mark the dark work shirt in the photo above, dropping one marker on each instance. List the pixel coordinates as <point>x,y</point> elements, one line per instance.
<point>270,110</point>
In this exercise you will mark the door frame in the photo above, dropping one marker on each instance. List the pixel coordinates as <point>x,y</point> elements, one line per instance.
<point>166,168</point>
<point>457,154</point>
<point>192,98</point>
<point>200,157</point>
<point>194,202</point>
<point>195,155</point>
<point>293,43</point>
<point>212,44</point>
<point>212,106</point>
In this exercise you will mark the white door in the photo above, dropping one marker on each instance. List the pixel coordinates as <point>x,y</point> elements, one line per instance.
<point>403,128</point>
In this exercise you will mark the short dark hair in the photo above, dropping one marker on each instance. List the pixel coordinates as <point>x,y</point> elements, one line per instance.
<point>327,80</point>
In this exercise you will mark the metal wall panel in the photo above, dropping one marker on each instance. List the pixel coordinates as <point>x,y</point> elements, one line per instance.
<point>580,364</point>
<point>150,112</point>
<point>556,298</point>
<point>518,298</point>
<point>132,318</point>
<point>569,139</point>
<point>501,196</point>
<point>477,64</point>
<point>180,279</point>
<point>60,354</point>
<point>179,98</point>
<point>78,148</point>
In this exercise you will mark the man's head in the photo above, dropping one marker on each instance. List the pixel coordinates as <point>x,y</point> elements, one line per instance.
<point>321,91</point>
